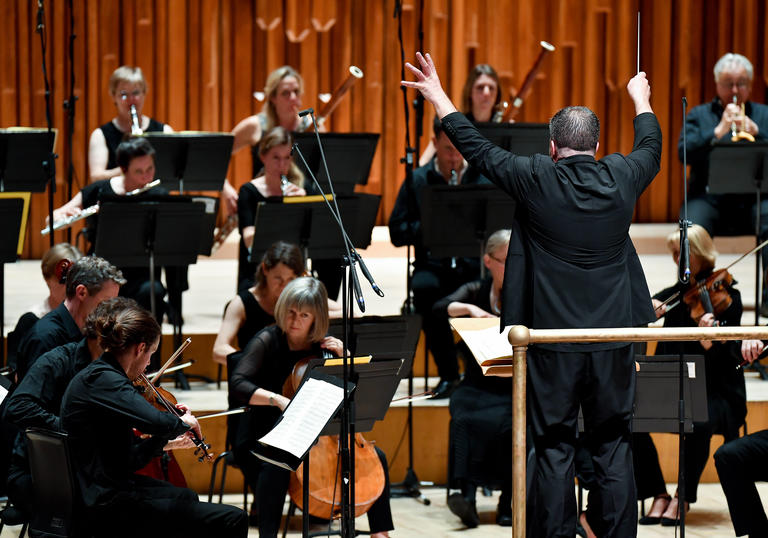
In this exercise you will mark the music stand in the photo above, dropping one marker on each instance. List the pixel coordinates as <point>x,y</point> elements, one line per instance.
<point>349,157</point>
<point>192,160</point>
<point>520,138</point>
<point>14,208</point>
<point>22,154</point>
<point>741,168</point>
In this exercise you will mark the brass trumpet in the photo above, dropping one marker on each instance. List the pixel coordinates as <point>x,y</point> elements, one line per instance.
<point>737,135</point>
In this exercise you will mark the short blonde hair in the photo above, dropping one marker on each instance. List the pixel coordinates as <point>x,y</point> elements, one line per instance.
<point>497,240</point>
<point>270,90</point>
<point>305,293</point>
<point>127,73</point>
<point>700,242</point>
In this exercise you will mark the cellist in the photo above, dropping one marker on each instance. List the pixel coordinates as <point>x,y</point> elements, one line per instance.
<point>301,314</point>
<point>726,396</point>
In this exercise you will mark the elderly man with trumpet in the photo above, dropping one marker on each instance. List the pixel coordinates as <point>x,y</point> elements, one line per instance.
<point>729,116</point>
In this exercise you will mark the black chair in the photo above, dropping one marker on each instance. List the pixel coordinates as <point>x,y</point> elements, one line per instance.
<point>53,483</point>
<point>11,516</point>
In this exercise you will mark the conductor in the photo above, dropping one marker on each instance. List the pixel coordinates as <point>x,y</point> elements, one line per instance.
<point>579,269</point>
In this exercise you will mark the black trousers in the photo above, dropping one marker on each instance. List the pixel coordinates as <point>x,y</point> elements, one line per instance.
<point>156,508</point>
<point>740,463</point>
<point>603,383</point>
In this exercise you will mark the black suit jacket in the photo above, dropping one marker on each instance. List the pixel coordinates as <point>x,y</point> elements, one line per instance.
<point>571,263</point>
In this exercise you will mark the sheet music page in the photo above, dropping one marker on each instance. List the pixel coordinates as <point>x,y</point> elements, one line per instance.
<point>3,393</point>
<point>306,416</point>
<point>488,345</point>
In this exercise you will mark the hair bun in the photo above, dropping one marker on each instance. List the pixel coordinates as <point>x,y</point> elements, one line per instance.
<point>61,270</point>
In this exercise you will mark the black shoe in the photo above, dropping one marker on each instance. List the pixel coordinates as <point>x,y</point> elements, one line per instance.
<point>504,516</point>
<point>465,510</point>
<point>670,522</point>
<point>648,520</point>
<point>444,389</point>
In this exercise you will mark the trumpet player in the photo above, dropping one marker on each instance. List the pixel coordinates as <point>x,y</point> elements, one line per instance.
<point>127,90</point>
<point>731,109</point>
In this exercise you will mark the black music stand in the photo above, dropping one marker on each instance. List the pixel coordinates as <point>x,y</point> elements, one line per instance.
<point>349,158</point>
<point>519,138</point>
<point>158,230</point>
<point>192,161</point>
<point>742,168</point>
<point>12,219</point>
<point>22,154</point>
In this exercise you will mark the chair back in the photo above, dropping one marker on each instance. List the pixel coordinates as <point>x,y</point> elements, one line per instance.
<point>53,483</point>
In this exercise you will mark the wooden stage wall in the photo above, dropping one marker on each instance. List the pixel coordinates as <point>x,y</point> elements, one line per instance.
<point>204,59</point>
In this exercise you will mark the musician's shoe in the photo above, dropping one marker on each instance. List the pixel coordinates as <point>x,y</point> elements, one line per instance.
<point>444,388</point>
<point>464,509</point>
<point>504,517</point>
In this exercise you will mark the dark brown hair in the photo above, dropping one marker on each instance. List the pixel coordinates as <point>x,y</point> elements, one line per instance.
<point>280,252</point>
<point>130,326</point>
<point>104,313</point>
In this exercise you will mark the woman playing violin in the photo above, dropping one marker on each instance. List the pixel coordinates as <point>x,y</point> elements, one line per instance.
<point>100,410</point>
<point>301,314</point>
<point>726,396</point>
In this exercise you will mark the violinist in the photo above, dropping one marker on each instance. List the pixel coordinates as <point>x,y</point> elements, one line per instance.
<point>100,410</point>
<point>301,313</point>
<point>481,406</point>
<point>280,177</point>
<point>725,214</point>
<point>726,396</point>
<point>37,399</point>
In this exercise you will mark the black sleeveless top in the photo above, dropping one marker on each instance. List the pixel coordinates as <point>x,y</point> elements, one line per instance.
<point>256,318</point>
<point>113,136</point>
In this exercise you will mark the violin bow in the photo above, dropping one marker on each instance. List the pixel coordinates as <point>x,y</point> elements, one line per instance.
<point>176,353</point>
<point>176,368</point>
<point>235,411</point>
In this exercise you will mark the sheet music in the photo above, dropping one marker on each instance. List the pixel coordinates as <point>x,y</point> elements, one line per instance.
<point>488,345</point>
<point>3,393</point>
<point>303,420</point>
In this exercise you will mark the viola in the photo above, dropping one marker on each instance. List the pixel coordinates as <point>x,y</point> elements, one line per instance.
<point>709,296</point>
<point>325,470</point>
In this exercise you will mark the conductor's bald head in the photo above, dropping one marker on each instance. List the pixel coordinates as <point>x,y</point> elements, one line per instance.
<point>574,128</point>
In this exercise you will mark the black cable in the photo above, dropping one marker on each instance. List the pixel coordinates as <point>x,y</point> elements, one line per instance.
<point>49,165</point>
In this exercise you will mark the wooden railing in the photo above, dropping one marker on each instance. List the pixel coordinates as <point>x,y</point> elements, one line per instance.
<point>520,337</point>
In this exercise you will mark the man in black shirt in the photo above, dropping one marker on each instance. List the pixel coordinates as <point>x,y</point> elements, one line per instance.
<point>579,269</point>
<point>89,280</point>
<point>433,278</point>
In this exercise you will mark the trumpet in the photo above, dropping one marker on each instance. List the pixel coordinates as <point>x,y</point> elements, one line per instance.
<point>355,73</point>
<point>737,135</point>
<point>66,222</point>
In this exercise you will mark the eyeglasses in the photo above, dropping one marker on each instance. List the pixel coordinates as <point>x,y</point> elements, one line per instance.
<point>494,258</point>
<point>135,93</point>
<point>741,83</point>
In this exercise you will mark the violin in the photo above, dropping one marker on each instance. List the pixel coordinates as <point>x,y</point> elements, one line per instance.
<point>325,471</point>
<point>709,296</point>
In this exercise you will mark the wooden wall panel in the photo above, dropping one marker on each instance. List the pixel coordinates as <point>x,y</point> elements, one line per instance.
<point>203,60</point>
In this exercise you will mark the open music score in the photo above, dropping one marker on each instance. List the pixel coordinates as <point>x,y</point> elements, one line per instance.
<point>490,348</point>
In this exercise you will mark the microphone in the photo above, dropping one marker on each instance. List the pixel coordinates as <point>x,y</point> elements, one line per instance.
<point>40,23</point>
<point>684,263</point>
<point>304,112</point>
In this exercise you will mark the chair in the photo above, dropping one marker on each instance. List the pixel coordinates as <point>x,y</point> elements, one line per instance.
<point>11,516</point>
<point>228,459</point>
<point>53,483</point>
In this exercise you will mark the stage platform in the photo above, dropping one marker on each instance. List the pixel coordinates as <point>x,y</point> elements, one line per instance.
<point>212,284</point>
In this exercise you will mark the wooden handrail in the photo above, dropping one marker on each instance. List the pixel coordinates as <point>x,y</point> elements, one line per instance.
<point>521,337</point>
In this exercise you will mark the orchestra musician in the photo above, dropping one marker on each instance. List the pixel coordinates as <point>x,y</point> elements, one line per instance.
<point>89,281</point>
<point>136,159</point>
<point>574,221</point>
<point>99,411</point>
<point>51,266</point>
<point>36,401</point>
<point>432,277</point>
<point>480,100</point>
<point>725,214</point>
<point>280,177</point>
<point>726,394</point>
<point>301,313</point>
<point>481,406</point>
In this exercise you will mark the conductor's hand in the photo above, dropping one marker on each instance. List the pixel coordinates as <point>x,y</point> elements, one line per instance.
<point>751,349</point>
<point>428,83</point>
<point>640,91</point>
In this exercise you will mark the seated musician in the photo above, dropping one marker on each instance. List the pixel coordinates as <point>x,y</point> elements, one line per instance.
<point>726,394</point>
<point>51,266</point>
<point>725,214</point>
<point>275,151</point>
<point>302,321</point>
<point>136,159</point>
<point>432,277</point>
<point>99,410</point>
<point>481,406</point>
<point>36,401</point>
<point>480,100</point>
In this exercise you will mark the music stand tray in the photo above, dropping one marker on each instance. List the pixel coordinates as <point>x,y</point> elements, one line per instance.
<point>349,157</point>
<point>192,160</point>
<point>520,138</point>
<point>456,220</point>
<point>22,153</point>
<point>738,168</point>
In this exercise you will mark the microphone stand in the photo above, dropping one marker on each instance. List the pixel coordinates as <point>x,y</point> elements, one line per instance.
<point>409,487</point>
<point>69,106</point>
<point>350,291</point>
<point>49,164</point>
<point>684,277</point>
